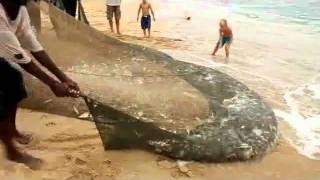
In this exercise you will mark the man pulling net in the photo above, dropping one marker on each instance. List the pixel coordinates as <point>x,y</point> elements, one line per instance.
<point>16,35</point>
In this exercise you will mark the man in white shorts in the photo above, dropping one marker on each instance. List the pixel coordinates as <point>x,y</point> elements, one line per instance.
<point>113,9</point>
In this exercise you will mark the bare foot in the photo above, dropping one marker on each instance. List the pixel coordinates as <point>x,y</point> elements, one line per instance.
<point>119,33</point>
<point>23,138</point>
<point>26,159</point>
<point>227,60</point>
<point>213,54</point>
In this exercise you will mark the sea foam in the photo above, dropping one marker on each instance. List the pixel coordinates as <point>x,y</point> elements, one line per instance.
<point>306,125</point>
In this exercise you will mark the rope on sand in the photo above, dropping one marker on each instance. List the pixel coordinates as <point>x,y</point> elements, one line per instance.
<point>130,76</point>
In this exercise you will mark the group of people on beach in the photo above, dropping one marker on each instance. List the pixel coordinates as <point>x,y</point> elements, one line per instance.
<point>114,10</point>
<point>19,46</point>
<point>145,8</point>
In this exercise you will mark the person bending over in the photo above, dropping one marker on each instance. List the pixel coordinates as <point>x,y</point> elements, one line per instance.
<point>146,8</point>
<point>16,35</point>
<point>225,38</point>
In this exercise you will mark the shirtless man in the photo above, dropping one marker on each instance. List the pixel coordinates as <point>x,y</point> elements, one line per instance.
<point>146,7</point>
<point>225,37</point>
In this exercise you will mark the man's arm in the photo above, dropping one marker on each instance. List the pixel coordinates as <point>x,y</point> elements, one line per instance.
<point>139,10</point>
<point>44,59</point>
<point>220,36</point>
<point>30,42</point>
<point>12,50</point>
<point>154,18</point>
<point>59,89</point>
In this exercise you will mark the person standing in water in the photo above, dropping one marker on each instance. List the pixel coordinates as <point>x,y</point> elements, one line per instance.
<point>225,38</point>
<point>146,8</point>
<point>70,6</point>
<point>16,35</point>
<point>113,9</point>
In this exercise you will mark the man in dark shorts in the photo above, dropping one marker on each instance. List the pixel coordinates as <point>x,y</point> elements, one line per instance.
<point>15,33</point>
<point>113,9</point>
<point>70,6</point>
<point>146,8</point>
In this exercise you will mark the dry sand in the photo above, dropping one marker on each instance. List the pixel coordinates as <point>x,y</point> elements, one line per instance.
<point>72,150</point>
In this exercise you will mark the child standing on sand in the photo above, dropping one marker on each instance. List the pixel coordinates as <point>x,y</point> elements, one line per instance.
<point>146,7</point>
<point>225,37</point>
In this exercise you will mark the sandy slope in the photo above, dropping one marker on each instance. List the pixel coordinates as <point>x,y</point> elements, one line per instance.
<point>72,150</point>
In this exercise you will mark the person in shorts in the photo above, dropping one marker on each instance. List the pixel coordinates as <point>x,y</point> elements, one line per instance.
<point>225,38</point>
<point>146,8</point>
<point>16,36</point>
<point>70,7</point>
<point>113,10</point>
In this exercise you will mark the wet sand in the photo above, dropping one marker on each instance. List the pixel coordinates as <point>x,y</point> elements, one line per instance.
<point>72,149</point>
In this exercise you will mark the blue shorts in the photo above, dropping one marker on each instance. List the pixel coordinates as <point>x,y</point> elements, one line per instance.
<point>146,22</point>
<point>225,40</point>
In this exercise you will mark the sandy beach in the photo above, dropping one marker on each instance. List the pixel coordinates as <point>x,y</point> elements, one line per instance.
<point>72,149</point>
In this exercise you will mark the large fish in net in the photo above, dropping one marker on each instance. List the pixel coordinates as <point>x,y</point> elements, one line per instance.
<point>142,98</point>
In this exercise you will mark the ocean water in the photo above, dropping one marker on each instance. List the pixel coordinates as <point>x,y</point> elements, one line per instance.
<point>303,12</point>
<point>275,52</point>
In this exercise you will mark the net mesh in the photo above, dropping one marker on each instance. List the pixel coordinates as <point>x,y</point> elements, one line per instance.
<point>142,98</point>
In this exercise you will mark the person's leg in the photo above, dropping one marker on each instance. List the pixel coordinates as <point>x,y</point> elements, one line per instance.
<point>7,135</point>
<point>109,17</point>
<point>7,132</point>
<point>142,23</point>
<point>73,8</point>
<point>70,6</point>
<point>149,32</point>
<point>10,94</point>
<point>13,92</point>
<point>144,33</point>
<point>22,138</point>
<point>118,26</point>
<point>149,26</point>
<point>216,48</point>
<point>227,49</point>
<point>66,5</point>
<point>14,154</point>
<point>118,17</point>
<point>111,25</point>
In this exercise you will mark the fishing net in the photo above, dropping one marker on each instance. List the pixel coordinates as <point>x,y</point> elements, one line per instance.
<point>142,98</point>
